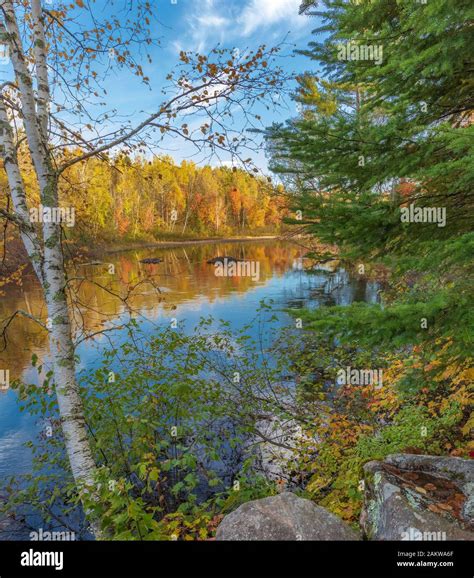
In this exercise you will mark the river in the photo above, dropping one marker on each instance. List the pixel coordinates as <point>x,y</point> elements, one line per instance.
<point>183,286</point>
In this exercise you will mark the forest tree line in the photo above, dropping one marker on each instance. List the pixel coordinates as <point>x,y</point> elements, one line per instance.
<point>136,198</point>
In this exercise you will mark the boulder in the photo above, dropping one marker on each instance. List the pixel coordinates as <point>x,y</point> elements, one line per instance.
<point>283,517</point>
<point>418,497</point>
<point>151,261</point>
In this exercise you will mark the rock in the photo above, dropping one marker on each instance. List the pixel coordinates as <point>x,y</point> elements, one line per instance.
<point>330,265</point>
<point>151,261</point>
<point>283,517</point>
<point>418,497</point>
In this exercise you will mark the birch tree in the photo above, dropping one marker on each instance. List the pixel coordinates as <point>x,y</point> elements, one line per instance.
<point>57,61</point>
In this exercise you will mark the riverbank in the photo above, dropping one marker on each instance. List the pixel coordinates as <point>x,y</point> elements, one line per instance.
<point>17,259</point>
<point>186,242</point>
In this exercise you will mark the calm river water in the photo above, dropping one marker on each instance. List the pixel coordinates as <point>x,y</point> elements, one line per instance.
<point>182,286</point>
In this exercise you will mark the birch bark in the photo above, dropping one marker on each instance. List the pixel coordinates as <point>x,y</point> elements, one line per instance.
<point>50,265</point>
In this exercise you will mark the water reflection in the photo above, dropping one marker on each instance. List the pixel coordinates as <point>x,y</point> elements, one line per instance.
<point>183,281</point>
<point>182,286</point>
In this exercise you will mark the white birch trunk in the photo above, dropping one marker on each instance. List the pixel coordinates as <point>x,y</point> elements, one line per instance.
<point>28,234</point>
<point>52,276</point>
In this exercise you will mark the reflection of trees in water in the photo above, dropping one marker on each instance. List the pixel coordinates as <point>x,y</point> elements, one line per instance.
<point>184,276</point>
<point>325,287</point>
<point>344,289</point>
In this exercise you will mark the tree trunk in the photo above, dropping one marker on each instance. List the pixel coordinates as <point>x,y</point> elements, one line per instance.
<point>62,352</point>
<point>52,275</point>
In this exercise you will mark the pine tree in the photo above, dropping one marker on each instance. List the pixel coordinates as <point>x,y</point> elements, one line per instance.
<point>376,135</point>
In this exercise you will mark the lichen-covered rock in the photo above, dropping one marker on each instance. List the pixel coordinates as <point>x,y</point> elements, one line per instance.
<point>417,497</point>
<point>283,517</point>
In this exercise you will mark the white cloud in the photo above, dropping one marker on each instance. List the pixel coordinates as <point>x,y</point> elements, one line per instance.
<point>206,25</point>
<point>212,21</point>
<point>220,21</point>
<point>259,14</point>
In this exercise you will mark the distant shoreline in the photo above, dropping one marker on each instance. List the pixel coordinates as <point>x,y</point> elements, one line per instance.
<point>208,241</point>
<point>107,249</point>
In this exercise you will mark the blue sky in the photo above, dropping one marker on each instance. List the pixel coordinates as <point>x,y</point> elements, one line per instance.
<point>199,25</point>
